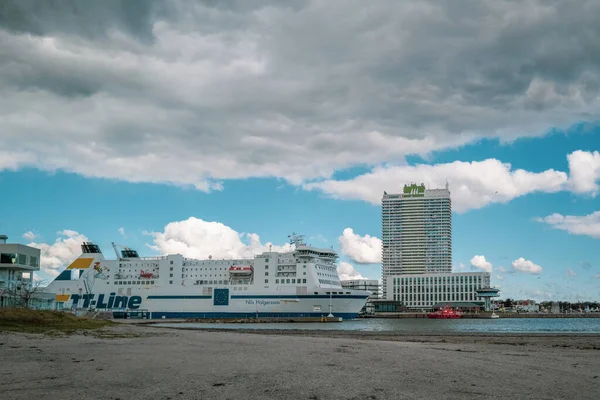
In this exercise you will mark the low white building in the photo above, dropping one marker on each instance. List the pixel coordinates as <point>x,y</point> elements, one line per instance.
<point>17,265</point>
<point>424,291</point>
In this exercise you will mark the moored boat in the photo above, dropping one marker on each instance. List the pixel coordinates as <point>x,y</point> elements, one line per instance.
<point>444,313</point>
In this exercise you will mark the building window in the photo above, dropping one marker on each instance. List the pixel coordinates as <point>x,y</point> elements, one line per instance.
<point>266,281</point>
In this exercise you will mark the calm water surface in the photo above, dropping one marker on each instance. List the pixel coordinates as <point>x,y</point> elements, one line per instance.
<point>409,325</point>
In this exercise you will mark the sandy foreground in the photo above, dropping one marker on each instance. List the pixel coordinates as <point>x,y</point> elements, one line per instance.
<point>141,362</point>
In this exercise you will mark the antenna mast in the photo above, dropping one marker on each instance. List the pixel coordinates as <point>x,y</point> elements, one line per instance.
<point>297,240</point>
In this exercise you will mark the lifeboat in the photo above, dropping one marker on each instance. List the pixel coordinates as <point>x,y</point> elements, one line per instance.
<point>240,270</point>
<point>445,313</point>
<point>146,274</point>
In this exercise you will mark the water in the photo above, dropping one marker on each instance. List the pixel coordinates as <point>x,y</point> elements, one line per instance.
<point>423,326</point>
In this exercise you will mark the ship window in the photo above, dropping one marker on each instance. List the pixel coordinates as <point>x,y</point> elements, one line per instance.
<point>266,273</point>
<point>287,281</point>
<point>266,281</point>
<point>303,280</point>
<point>266,260</point>
<point>171,262</point>
<point>129,282</point>
<point>152,282</point>
<point>170,275</point>
<point>276,280</point>
<point>266,267</point>
<point>171,282</point>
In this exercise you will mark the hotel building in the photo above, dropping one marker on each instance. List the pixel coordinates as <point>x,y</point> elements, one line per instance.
<point>416,232</point>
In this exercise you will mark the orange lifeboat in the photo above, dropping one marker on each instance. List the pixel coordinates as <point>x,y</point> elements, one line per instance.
<point>240,270</point>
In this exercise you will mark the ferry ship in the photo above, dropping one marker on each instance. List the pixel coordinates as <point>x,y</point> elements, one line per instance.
<point>300,283</point>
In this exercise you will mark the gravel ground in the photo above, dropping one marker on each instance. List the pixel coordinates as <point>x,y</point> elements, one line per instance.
<point>141,362</point>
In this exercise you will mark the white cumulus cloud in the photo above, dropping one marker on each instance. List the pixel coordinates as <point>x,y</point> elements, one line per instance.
<point>56,256</point>
<point>346,272</point>
<point>361,249</point>
<point>122,232</point>
<point>526,266</point>
<point>588,225</point>
<point>29,235</point>
<point>571,272</point>
<point>584,167</point>
<point>500,277</point>
<point>473,185</point>
<point>481,263</point>
<point>196,238</point>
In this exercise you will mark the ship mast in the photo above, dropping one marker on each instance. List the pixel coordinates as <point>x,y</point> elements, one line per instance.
<point>297,240</point>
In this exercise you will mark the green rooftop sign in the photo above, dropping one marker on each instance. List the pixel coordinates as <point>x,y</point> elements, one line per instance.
<point>414,190</point>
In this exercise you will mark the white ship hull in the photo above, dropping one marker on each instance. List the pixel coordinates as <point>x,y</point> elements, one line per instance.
<point>157,306</point>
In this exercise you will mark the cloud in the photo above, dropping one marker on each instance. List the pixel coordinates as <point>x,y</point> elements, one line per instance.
<point>347,272</point>
<point>526,266</point>
<point>597,276</point>
<point>460,268</point>
<point>122,232</point>
<point>56,256</point>
<point>588,225</point>
<point>584,170</point>
<point>361,249</point>
<point>571,273</point>
<point>29,235</point>
<point>481,263</point>
<point>196,93</point>
<point>500,277</point>
<point>501,269</point>
<point>196,238</point>
<point>473,185</point>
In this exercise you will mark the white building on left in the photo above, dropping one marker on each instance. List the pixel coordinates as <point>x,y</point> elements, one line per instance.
<point>18,263</point>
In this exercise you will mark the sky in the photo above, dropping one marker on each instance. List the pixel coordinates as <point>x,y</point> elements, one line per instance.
<point>219,128</point>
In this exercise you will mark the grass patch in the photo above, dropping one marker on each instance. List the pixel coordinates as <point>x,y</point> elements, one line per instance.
<point>42,321</point>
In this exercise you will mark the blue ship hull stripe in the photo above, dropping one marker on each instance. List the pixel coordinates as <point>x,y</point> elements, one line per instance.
<point>178,297</point>
<point>299,296</point>
<point>205,315</point>
<point>266,296</point>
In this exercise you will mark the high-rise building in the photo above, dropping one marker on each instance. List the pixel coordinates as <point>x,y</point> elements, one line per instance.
<point>416,232</point>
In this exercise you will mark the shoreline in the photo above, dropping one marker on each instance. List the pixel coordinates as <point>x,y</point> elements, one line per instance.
<point>486,315</point>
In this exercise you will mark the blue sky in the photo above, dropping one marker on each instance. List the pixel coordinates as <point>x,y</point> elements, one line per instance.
<point>218,129</point>
<point>48,203</point>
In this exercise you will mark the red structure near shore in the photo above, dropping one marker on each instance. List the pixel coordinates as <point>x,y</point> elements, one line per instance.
<point>445,313</point>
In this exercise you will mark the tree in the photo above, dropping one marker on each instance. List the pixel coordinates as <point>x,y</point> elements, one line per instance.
<point>21,295</point>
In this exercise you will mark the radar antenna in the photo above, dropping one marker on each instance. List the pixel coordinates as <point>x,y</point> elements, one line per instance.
<point>297,240</point>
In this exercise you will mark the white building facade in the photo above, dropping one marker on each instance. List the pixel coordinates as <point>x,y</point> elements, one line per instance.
<point>416,232</point>
<point>423,291</point>
<point>17,265</point>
